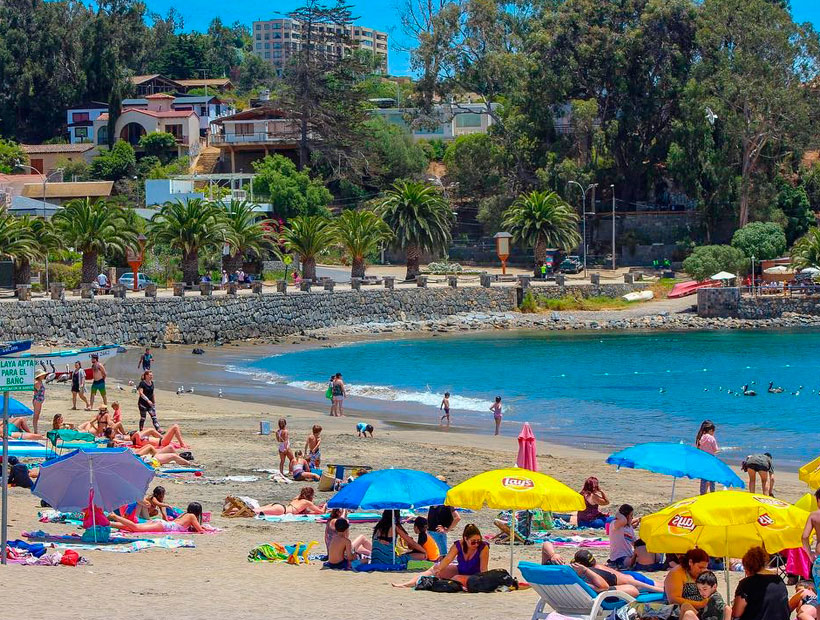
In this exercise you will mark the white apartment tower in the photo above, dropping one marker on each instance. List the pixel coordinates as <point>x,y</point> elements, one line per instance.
<point>275,40</point>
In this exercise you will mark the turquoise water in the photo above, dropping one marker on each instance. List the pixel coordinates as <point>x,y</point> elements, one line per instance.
<point>592,389</point>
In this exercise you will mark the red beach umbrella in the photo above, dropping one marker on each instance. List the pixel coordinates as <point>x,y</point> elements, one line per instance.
<point>527,454</point>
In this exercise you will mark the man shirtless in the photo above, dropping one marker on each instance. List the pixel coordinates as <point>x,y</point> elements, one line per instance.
<point>813,525</point>
<point>98,380</point>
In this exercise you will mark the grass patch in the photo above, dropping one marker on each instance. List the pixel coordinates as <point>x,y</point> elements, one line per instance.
<point>663,286</point>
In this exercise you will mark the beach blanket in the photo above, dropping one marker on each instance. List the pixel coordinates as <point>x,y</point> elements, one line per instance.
<point>120,544</point>
<point>354,517</point>
<point>49,515</point>
<point>573,541</point>
<point>372,567</point>
<point>279,553</point>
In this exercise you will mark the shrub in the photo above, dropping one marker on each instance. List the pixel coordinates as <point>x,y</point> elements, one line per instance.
<point>444,267</point>
<point>763,240</point>
<point>708,260</point>
<point>528,304</point>
<point>70,275</point>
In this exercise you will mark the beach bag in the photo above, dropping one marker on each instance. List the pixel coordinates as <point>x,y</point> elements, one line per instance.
<point>329,393</point>
<point>188,456</point>
<point>434,584</point>
<point>490,581</point>
<point>70,557</point>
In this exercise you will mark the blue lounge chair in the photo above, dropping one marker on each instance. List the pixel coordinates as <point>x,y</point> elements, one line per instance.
<point>560,588</point>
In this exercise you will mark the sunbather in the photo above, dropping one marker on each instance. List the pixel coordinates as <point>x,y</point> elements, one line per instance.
<point>191,521</point>
<point>301,505</point>
<point>151,436</point>
<point>19,429</point>
<point>100,422</point>
<point>602,578</point>
<point>58,423</point>
<point>301,469</point>
<point>549,556</point>
<point>154,505</point>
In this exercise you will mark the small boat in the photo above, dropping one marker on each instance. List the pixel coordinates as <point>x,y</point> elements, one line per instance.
<point>16,346</point>
<point>639,296</point>
<point>690,288</point>
<point>62,362</point>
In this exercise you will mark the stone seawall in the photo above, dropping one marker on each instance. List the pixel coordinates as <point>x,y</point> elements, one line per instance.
<point>728,302</point>
<point>198,319</point>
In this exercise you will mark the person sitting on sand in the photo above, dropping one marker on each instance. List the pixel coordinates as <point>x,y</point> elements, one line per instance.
<point>622,538</point>
<point>100,422</point>
<point>154,505</point>
<point>191,521</point>
<point>301,505</point>
<point>425,541</point>
<point>386,533</point>
<point>313,447</point>
<point>550,557</point>
<point>340,552</point>
<point>602,578</point>
<point>19,429</point>
<point>58,423</point>
<point>20,475</point>
<point>362,429</point>
<point>644,561</point>
<point>471,555</point>
<point>594,498</point>
<point>330,529</point>
<point>301,469</point>
<point>804,600</point>
<point>680,584</point>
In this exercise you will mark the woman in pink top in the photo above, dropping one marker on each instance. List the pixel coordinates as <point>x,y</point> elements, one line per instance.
<point>706,441</point>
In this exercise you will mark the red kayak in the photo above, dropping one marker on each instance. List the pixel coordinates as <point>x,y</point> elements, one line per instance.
<point>690,288</point>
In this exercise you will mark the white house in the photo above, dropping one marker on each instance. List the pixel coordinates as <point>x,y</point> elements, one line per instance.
<point>160,191</point>
<point>80,121</point>
<point>208,109</point>
<point>446,122</point>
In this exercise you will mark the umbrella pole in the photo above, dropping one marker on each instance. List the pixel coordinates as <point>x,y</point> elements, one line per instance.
<point>393,513</point>
<point>674,480</point>
<point>91,481</point>
<point>5,480</point>
<point>512,539</point>
<point>726,564</point>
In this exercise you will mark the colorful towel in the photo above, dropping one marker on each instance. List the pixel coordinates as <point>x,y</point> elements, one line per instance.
<point>354,517</point>
<point>288,554</point>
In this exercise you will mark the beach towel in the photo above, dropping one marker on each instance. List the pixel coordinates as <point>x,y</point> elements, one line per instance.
<point>279,553</point>
<point>121,544</point>
<point>410,566</point>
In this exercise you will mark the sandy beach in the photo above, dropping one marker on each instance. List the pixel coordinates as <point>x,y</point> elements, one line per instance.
<point>215,579</point>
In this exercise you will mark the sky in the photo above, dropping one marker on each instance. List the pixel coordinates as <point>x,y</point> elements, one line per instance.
<point>379,14</point>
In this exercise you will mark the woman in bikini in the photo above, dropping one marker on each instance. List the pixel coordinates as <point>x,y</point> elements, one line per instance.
<point>19,429</point>
<point>283,437</point>
<point>164,455</point>
<point>302,505</point>
<point>602,578</point>
<point>191,521</point>
<point>159,440</point>
<point>100,422</point>
<point>154,505</point>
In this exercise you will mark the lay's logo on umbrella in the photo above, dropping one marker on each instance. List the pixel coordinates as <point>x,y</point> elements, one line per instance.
<point>765,520</point>
<point>770,501</point>
<point>517,484</point>
<point>682,524</point>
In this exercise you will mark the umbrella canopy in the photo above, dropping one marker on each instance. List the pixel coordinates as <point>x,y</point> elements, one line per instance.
<point>678,460</point>
<point>514,488</point>
<point>724,524</point>
<point>387,489</point>
<point>810,473</point>
<point>116,476</point>
<point>810,270</point>
<point>723,275</point>
<point>527,454</point>
<point>17,409</point>
<point>808,503</point>
<point>778,269</point>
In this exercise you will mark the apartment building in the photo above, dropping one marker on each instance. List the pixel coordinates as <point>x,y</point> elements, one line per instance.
<point>276,40</point>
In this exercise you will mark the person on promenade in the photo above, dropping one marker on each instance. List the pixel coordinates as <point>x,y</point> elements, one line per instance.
<point>706,441</point>
<point>594,497</point>
<point>146,402</point>
<point>339,392</point>
<point>283,437</point>
<point>39,397</point>
<point>98,376</point>
<point>145,360</point>
<point>78,386</point>
<point>497,415</point>
<point>445,405</point>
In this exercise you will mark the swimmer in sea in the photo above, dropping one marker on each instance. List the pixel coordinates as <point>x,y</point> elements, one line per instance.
<point>445,405</point>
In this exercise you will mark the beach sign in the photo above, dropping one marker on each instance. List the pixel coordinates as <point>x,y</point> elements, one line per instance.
<point>17,375</point>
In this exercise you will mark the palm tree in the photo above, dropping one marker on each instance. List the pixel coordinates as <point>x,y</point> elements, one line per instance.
<point>307,235</point>
<point>244,233</point>
<point>39,232</point>
<point>16,242</point>
<point>189,226</point>
<point>360,233</point>
<point>806,250</point>
<point>542,220</point>
<point>419,217</point>
<point>93,228</point>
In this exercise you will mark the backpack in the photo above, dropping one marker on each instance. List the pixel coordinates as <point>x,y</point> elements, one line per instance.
<point>490,581</point>
<point>434,584</point>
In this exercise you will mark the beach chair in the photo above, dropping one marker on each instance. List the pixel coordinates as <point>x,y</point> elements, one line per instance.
<point>562,590</point>
<point>234,507</point>
<point>65,440</point>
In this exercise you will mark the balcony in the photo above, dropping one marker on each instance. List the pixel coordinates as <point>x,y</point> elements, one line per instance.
<point>261,137</point>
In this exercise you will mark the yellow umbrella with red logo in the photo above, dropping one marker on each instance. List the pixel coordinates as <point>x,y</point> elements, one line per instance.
<point>514,489</point>
<point>810,473</point>
<point>724,524</point>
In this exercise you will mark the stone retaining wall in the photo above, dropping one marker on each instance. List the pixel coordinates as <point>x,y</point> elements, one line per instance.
<point>197,319</point>
<point>728,302</point>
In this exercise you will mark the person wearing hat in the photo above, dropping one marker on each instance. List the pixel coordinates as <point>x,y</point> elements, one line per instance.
<point>39,396</point>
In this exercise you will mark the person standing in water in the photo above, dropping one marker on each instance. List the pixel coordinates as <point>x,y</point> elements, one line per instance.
<point>706,441</point>
<point>339,393</point>
<point>445,405</point>
<point>496,409</point>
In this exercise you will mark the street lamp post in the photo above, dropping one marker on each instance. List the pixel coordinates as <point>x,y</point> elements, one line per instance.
<point>612,187</point>
<point>45,182</point>
<point>584,213</point>
<point>135,258</point>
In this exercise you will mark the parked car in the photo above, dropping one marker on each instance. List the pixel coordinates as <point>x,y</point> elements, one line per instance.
<point>128,280</point>
<point>572,264</point>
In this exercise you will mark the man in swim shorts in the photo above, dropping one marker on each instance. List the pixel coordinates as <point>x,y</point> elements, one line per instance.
<point>98,380</point>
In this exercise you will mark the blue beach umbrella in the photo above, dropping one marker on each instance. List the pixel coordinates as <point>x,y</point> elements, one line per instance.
<point>116,475</point>
<point>17,409</point>
<point>677,460</point>
<point>391,489</point>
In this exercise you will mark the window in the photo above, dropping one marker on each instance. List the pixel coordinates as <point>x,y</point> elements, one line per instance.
<point>258,36</point>
<point>78,117</point>
<point>81,132</point>
<point>277,46</point>
<point>367,43</point>
<point>277,26</point>
<point>267,46</point>
<point>267,26</point>
<point>203,111</point>
<point>258,45</point>
<point>267,36</point>
<point>277,35</point>
<point>468,120</point>
<point>102,135</point>
<point>267,54</point>
<point>287,35</point>
<point>175,130</point>
<point>366,33</point>
<point>244,129</point>
<point>259,26</point>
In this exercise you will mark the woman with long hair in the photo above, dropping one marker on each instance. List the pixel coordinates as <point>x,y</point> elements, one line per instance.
<point>594,498</point>
<point>705,440</point>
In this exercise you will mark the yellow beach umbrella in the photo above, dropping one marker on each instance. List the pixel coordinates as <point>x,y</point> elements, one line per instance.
<point>810,474</point>
<point>514,489</point>
<point>808,503</point>
<point>724,524</point>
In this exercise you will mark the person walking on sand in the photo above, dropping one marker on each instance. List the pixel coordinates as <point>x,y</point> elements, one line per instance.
<point>98,376</point>
<point>146,403</point>
<point>145,360</point>
<point>706,441</point>
<point>339,393</point>
<point>496,409</point>
<point>78,386</point>
<point>445,405</point>
<point>39,396</point>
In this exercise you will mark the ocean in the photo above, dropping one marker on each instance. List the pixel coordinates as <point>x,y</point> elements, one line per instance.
<point>590,390</point>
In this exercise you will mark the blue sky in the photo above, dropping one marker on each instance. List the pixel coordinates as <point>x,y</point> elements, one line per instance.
<point>379,14</point>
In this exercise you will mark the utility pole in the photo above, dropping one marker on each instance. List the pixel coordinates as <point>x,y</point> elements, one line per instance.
<point>612,187</point>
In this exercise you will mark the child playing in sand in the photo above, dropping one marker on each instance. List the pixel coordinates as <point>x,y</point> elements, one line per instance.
<point>445,405</point>
<point>715,606</point>
<point>283,437</point>
<point>804,601</point>
<point>362,429</point>
<point>340,551</point>
<point>313,447</point>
